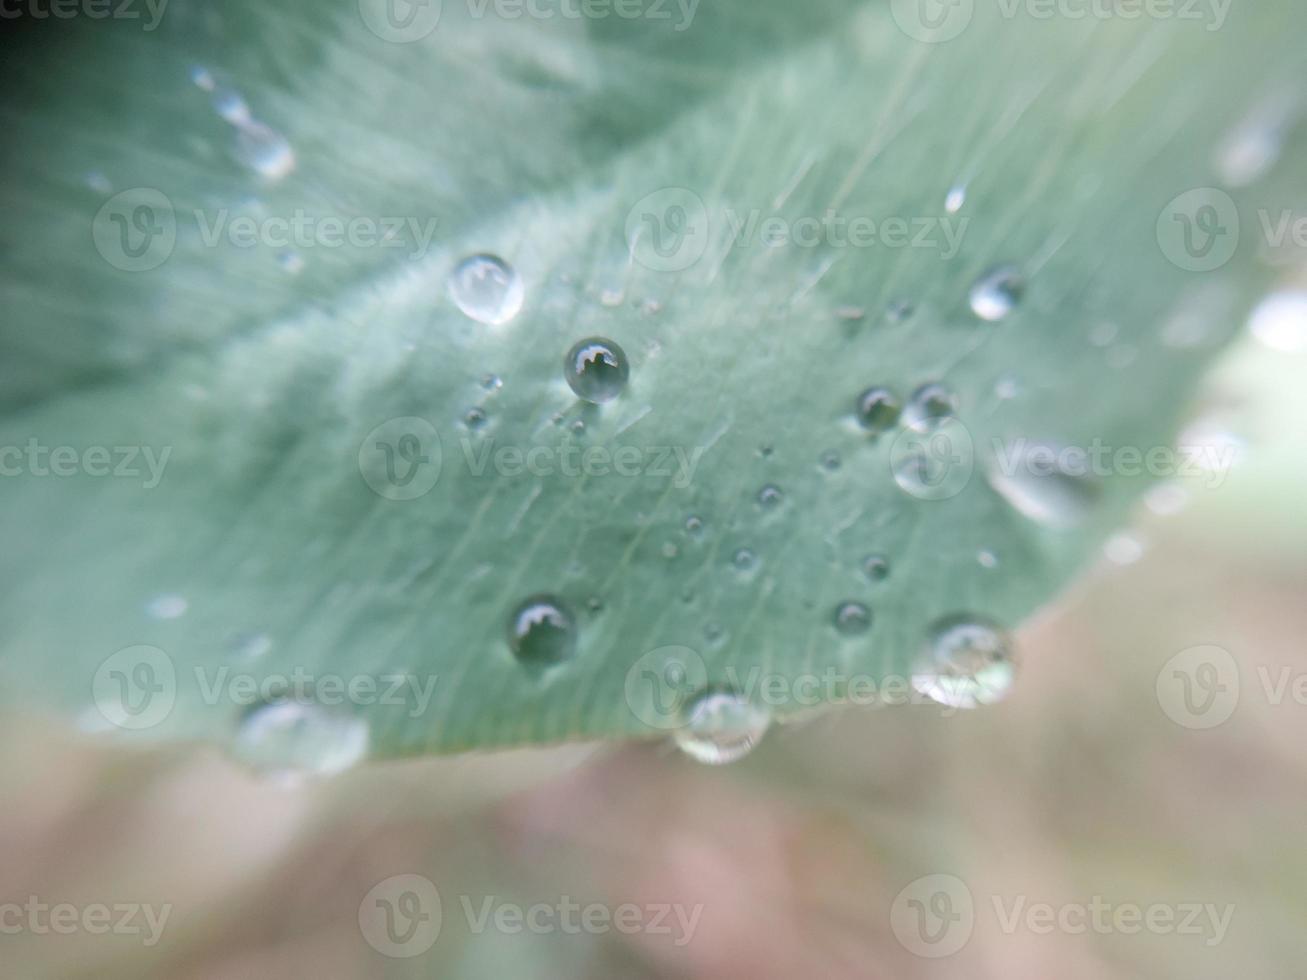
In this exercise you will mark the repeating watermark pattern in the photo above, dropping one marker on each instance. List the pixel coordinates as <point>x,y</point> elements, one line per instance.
<point>669,230</point>
<point>1202,686</point>
<point>938,21</point>
<point>138,687</point>
<point>1198,231</point>
<point>935,916</point>
<point>406,21</point>
<point>136,230</point>
<point>662,683</point>
<point>40,918</point>
<point>1283,239</point>
<point>35,459</point>
<point>403,458</point>
<point>1210,462</point>
<point>402,917</point>
<point>149,12</point>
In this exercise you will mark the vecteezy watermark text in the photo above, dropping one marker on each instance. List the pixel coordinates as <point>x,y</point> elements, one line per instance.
<point>39,918</point>
<point>35,459</point>
<point>151,11</point>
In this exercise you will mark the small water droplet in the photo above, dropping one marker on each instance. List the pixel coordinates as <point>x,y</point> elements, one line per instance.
<point>492,382</point>
<point>878,409</point>
<point>765,450</point>
<point>995,294</point>
<point>596,369</point>
<point>98,182</point>
<point>745,560</point>
<point>1039,482</point>
<point>264,150</point>
<point>694,526</point>
<point>228,104</point>
<point>852,618</point>
<point>721,727</point>
<point>957,196</point>
<point>595,604</point>
<point>899,310</point>
<point>611,297</point>
<point>830,461</point>
<point>966,661</point>
<point>929,407</point>
<point>291,738</point>
<point>578,427</point>
<point>875,567</point>
<point>474,418</point>
<point>1280,321</point>
<point>770,496</point>
<point>487,289</point>
<point>167,606</point>
<point>202,78</point>
<point>1007,387</point>
<point>670,550</point>
<point>714,632</point>
<point>541,631</point>
<point>987,558</point>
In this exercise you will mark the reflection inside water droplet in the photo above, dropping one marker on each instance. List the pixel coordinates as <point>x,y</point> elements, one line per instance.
<point>852,618</point>
<point>966,661</point>
<point>721,727</point>
<point>596,369</point>
<point>996,294</point>
<point>541,631</point>
<point>487,289</point>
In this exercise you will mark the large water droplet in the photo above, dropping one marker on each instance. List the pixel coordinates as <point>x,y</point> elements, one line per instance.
<point>289,738</point>
<point>965,662</point>
<point>541,631</point>
<point>721,727</point>
<point>487,289</point>
<point>1040,482</point>
<point>852,618</point>
<point>596,369</point>
<point>878,409</point>
<point>995,294</point>
<point>264,150</point>
<point>929,407</point>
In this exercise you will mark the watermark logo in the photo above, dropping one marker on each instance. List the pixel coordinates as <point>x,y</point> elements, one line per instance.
<point>135,230</point>
<point>136,687</point>
<point>39,918</point>
<point>400,21</point>
<point>401,459</point>
<point>933,916</point>
<point>401,916</point>
<point>932,21</point>
<point>151,11</point>
<point>1198,231</point>
<point>661,684</point>
<point>933,463</point>
<point>35,459</point>
<point>667,231</point>
<point>1198,688</point>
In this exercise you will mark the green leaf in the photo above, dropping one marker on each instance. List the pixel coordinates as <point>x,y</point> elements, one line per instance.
<point>609,161</point>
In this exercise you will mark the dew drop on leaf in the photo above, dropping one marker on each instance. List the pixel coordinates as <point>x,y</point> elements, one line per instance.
<point>995,294</point>
<point>541,631</point>
<point>966,661</point>
<point>721,727</point>
<point>878,409</point>
<point>487,289</point>
<point>596,369</point>
<point>852,618</point>
<point>290,738</point>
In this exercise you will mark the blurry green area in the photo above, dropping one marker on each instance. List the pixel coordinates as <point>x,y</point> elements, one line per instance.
<point>1078,786</point>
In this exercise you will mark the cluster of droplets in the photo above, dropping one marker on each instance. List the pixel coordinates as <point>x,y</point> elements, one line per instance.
<point>257,145</point>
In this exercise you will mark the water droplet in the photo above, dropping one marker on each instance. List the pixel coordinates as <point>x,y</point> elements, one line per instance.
<point>830,460</point>
<point>611,297</point>
<point>596,369</point>
<point>670,550</point>
<point>474,418</point>
<point>770,496</point>
<point>264,150</point>
<point>987,558</point>
<point>929,407</point>
<point>492,382</point>
<point>291,738</point>
<point>1007,387</point>
<point>852,618</point>
<point>202,78</point>
<point>878,409</point>
<point>995,294</point>
<point>957,196</point>
<point>721,727</point>
<point>99,183</point>
<point>899,310</point>
<point>578,427</point>
<point>541,631</point>
<point>765,450</point>
<point>595,604</point>
<point>167,606</point>
<point>1280,321</point>
<point>1040,482</point>
<point>487,289</point>
<point>714,632</point>
<point>875,567</point>
<point>745,560</point>
<point>966,661</point>
<point>694,526</point>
